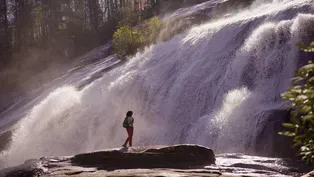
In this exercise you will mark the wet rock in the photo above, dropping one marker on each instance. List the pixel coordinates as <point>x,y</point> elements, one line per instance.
<point>30,168</point>
<point>310,174</point>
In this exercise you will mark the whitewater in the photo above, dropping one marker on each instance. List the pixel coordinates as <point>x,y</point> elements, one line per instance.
<point>211,85</point>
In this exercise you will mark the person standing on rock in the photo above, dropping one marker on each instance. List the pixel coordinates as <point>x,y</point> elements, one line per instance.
<point>128,125</point>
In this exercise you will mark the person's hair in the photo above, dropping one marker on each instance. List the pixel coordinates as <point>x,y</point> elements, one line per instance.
<point>129,113</point>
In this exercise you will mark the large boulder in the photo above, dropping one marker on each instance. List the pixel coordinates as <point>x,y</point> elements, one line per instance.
<point>179,156</point>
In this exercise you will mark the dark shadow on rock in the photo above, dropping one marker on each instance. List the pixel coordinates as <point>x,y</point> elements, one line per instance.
<point>268,142</point>
<point>180,157</point>
<point>99,74</point>
<point>5,140</point>
<point>124,149</point>
<point>265,161</point>
<point>295,166</point>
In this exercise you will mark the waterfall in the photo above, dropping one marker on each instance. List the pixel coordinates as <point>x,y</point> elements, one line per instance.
<point>208,85</point>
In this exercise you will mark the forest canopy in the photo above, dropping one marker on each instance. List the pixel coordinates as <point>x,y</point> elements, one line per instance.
<point>69,28</point>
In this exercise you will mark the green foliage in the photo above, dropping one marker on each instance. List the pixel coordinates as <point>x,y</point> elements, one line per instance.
<point>126,40</point>
<point>306,48</point>
<point>301,97</point>
<point>122,40</point>
<point>152,28</point>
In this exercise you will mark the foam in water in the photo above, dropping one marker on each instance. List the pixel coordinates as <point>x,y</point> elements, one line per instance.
<point>204,86</point>
<point>45,124</point>
<point>207,129</point>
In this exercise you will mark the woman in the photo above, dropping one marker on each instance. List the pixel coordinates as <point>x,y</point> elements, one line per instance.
<point>128,125</point>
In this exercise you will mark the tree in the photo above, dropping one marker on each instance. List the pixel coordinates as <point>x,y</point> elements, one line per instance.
<point>94,13</point>
<point>4,33</point>
<point>301,97</point>
<point>60,26</point>
<point>127,16</point>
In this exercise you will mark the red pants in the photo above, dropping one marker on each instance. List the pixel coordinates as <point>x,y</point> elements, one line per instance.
<point>130,136</point>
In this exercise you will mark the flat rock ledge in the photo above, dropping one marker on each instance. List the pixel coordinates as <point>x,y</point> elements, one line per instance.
<point>111,161</point>
<point>173,161</point>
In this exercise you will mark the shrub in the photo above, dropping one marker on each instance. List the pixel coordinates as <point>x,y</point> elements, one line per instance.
<point>126,40</point>
<point>151,29</point>
<point>122,40</point>
<point>301,97</point>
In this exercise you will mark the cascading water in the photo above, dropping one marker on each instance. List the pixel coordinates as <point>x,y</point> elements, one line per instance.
<point>204,86</point>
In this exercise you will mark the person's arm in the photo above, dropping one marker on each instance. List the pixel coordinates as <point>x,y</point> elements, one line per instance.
<point>132,121</point>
